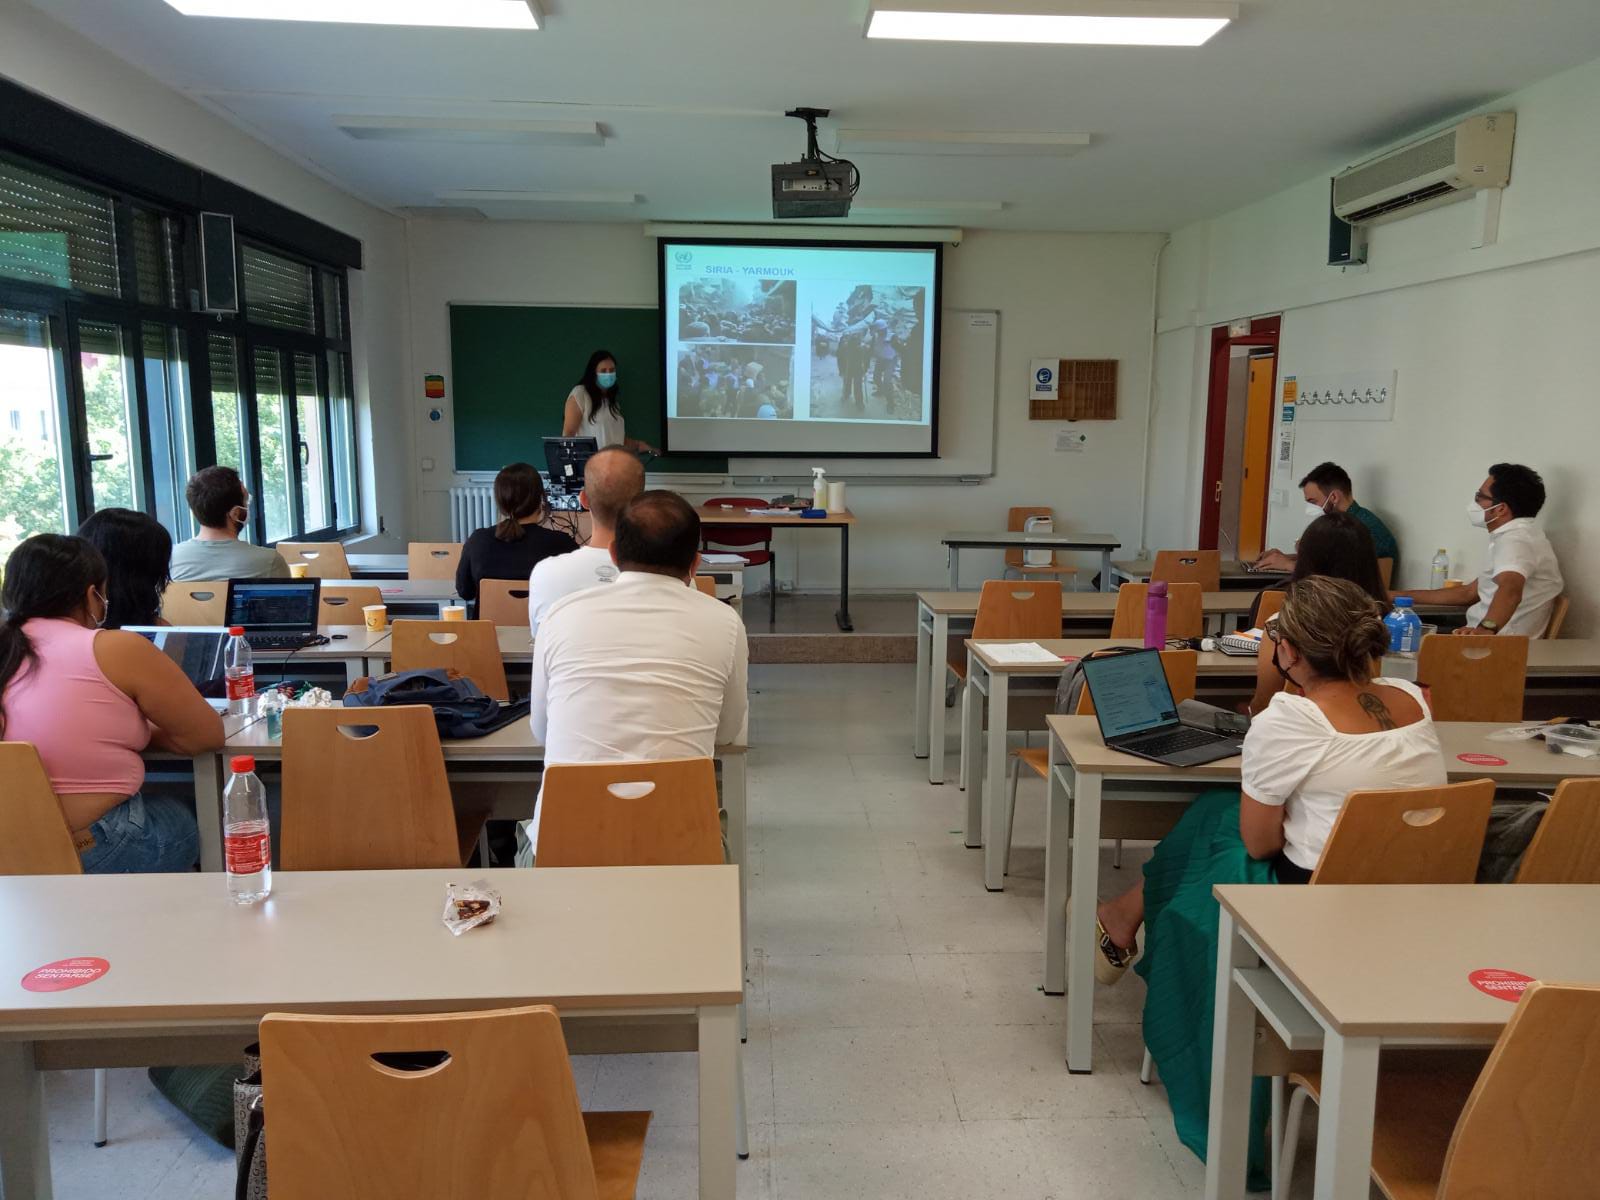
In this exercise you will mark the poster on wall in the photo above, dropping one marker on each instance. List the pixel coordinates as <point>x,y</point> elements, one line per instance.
<point>1043,383</point>
<point>1285,461</point>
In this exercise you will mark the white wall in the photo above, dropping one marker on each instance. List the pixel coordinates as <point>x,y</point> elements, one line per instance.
<point>41,54</point>
<point>1059,295</point>
<point>1496,348</point>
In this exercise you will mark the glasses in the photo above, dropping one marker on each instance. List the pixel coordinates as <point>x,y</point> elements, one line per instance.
<point>1482,499</point>
<point>1274,635</point>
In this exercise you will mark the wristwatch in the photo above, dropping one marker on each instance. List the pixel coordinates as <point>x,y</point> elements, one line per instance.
<point>1491,626</point>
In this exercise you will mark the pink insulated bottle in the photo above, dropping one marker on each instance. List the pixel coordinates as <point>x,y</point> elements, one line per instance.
<point>1155,616</point>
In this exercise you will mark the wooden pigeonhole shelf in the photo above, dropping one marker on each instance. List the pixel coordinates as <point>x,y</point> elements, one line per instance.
<point>1087,391</point>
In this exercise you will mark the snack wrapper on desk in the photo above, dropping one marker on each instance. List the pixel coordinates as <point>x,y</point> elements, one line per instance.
<point>468,905</point>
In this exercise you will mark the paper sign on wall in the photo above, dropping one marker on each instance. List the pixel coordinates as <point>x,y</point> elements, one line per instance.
<point>1042,381</point>
<point>1071,441</point>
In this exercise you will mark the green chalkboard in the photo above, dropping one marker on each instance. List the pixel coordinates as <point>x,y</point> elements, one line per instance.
<point>512,367</point>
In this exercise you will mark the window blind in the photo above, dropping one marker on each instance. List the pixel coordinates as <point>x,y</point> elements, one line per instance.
<point>55,233</point>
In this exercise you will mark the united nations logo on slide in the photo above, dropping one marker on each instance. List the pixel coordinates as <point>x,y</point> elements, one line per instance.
<point>1043,378</point>
<point>683,257</point>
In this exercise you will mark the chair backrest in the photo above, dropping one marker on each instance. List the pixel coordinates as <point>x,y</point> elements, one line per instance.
<point>1566,846</point>
<point>498,1116</point>
<point>1185,610</point>
<point>1474,678</point>
<point>365,789</point>
<point>471,648</point>
<point>1188,566</point>
<point>706,584</point>
<point>1018,608</point>
<point>341,603</point>
<point>643,814</point>
<point>1270,606</point>
<point>1408,835</point>
<point>432,560</point>
<point>34,837</point>
<point>736,535</point>
<point>503,601</point>
<point>195,602</point>
<point>1016,522</point>
<point>1558,616</point>
<point>1181,667</point>
<point>1528,1128</point>
<point>324,560</point>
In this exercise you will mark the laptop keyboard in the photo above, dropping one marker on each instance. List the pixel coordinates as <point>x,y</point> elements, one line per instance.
<point>279,641</point>
<point>1177,740</point>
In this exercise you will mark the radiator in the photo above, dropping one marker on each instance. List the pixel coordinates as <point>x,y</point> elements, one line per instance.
<point>471,508</point>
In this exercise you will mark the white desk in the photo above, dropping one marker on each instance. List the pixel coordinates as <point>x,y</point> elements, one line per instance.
<point>648,951</point>
<point>1105,543</point>
<point>379,566</point>
<point>351,645</point>
<point>417,597</point>
<point>1234,574</point>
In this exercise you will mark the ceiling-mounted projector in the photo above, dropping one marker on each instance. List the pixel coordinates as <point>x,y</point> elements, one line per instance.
<point>819,185</point>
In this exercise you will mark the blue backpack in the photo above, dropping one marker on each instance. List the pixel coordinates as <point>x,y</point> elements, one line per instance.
<point>460,709</point>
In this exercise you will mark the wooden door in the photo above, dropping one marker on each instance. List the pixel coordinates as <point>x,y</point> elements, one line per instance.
<point>1257,457</point>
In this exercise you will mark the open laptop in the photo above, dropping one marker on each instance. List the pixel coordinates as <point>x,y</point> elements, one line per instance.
<point>1138,715</point>
<point>201,650</point>
<point>566,457</point>
<point>277,614</point>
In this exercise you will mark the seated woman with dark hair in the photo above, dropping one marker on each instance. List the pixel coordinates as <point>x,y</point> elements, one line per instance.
<point>511,548</point>
<point>1303,756</point>
<point>138,554</point>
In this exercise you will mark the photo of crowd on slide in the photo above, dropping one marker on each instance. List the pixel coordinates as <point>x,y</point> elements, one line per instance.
<point>736,381</point>
<point>752,311</point>
<point>866,353</point>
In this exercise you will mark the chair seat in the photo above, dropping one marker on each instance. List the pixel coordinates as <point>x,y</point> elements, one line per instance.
<point>1057,569</point>
<point>616,1144</point>
<point>1036,759</point>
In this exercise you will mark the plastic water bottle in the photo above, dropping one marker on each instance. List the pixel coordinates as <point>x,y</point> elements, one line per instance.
<point>1155,616</point>
<point>246,834</point>
<point>240,669</point>
<point>1441,570</point>
<point>1405,629</point>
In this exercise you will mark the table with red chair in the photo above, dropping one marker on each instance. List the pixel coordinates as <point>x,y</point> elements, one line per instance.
<point>728,524</point>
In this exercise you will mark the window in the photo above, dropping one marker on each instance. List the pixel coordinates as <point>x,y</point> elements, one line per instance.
<point>342,435</point>
<point>33,483</point>
<point>278,291</point>
<point>171,408</point>
<point>56,234</point>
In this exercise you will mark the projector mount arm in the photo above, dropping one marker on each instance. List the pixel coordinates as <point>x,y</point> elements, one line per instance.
<point>816,154</point>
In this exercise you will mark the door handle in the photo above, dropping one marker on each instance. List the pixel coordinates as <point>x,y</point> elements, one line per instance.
<point>94,458</point>
<point>1218,494</point>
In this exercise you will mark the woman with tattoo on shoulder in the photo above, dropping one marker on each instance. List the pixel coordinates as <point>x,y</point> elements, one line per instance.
<point>1347,731</point>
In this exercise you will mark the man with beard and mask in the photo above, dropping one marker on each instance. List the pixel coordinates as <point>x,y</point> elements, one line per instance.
<point>1327,489</point>
<point>220,503</point>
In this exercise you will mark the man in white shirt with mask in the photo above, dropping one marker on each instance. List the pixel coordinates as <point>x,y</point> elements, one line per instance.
<point>611,478</point>
<point>1516,591</point>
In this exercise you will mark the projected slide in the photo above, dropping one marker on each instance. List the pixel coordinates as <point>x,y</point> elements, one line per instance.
<point>808,349</point>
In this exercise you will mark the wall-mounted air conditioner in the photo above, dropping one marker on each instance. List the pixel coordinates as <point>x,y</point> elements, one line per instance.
<point>1469,156</point>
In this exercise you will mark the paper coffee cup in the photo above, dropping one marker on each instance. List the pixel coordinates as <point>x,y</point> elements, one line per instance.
<point>299,570</point>
<point>377,617</point>
<point>455,612</point>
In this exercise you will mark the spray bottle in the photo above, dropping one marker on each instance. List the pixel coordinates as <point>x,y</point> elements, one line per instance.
<point>819,489</point>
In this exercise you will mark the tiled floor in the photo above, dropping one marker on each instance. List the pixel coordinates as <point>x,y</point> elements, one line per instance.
<point>899,1043</point>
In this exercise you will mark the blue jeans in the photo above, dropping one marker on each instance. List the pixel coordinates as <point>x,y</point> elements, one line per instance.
<point>140,836</point>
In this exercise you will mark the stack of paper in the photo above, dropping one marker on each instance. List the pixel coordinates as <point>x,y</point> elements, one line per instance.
<point>1019,653</point>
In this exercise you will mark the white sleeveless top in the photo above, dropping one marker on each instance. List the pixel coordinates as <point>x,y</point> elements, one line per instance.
<point>607,428</point>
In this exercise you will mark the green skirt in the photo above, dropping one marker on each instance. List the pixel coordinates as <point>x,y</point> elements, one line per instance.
<point>1179,965</point>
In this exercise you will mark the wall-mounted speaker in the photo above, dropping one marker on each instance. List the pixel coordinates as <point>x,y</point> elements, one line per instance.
<point>219,276</point>
<point>1347,244</point>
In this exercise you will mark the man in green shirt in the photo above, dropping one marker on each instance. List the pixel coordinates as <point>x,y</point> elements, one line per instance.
<point>1326,489</point>
<point>221,506</point>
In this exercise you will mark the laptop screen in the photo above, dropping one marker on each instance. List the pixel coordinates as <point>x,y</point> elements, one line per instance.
<point>199,651</point>
<point>566,458</point>
<point>274,605</point>
<point>1130,693</point>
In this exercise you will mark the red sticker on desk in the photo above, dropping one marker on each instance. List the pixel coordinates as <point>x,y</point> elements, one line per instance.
<point>64,973</point>
<point>1502,985</point>
<point>1482,760</point>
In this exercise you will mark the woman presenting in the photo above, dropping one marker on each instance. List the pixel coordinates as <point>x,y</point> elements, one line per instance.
<point>592,408</point>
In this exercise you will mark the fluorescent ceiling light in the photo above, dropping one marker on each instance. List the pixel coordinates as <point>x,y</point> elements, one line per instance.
<point>917,206</point>
<point>481,197</point>
<point>934,141</point>
<point>1049,22</point>
<point>466,14</point>
<point>485,131</point>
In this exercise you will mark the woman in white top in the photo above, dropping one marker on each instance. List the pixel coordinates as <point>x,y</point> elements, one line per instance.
<point>1347,731</point>
<point>592,409</point>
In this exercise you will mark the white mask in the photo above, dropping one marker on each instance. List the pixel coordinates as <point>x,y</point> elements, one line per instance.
<point>1477,517</point>
<point>1314,510</point>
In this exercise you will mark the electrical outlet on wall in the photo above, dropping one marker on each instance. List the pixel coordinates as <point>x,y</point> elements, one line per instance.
<point>427,464</point>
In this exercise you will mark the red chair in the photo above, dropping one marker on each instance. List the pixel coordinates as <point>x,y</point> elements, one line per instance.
<point>736,537</point>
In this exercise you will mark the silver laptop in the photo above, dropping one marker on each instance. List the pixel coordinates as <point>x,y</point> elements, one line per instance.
<point>1138,715</point>
<point>201,650</point>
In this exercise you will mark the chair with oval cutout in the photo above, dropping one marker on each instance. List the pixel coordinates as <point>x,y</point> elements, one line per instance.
<point>324,560</point>
<point>637,814</point>
<point>706,584</point>
<point>503,602</point>
<point>1185,610</point>
<point>1016,558</point>
<point>1188,566</point>
<point>471,648</point>
<point>195,602</point>
<point>432,560</point>
<point>341,603</point>
<point>1474,678</point>
<point>1566,846</point>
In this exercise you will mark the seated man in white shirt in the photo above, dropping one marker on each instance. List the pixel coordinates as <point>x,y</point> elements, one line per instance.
<point>1516,591</point>
<point>610,479</point>
<point>648,667</point>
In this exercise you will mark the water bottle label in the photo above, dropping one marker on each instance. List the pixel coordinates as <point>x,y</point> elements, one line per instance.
<point>247,853</point>
<point>241,687</point>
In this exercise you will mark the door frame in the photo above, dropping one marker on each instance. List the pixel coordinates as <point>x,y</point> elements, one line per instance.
<point>1264,331</point>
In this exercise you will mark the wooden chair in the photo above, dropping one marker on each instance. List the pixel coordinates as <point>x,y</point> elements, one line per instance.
<point>442,1105</point>
<point>365,789</point>
<point>1558,616</point>
<point>471,648</point>
<point>1270,606</point>
<point>1566,846</point>
<point>324,560</point>
<point>341,603</point>
<point>1474,678</point>
<point>706,584</point>
<point>737,539</point>
<point>1185,610</point>
<point>1017,557</point>
<point>1408,835</point>
<point>1188,566</point>
<point>642,814</point>
<point>503,602</point>
<point>195,602</point>
<point>432,560</point>
<point>1011,609</point>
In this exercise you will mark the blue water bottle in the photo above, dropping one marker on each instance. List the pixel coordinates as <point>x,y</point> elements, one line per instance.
<point>1405,628</point>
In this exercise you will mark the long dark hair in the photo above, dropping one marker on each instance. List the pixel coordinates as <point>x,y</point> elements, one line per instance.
<point>1338,545</point>
<point>518,493</point>
<point>138,555</point>
<point>597,394</point>
<point>46,576</point>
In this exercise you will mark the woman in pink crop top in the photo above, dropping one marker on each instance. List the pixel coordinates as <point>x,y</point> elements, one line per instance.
<point>91,700</point>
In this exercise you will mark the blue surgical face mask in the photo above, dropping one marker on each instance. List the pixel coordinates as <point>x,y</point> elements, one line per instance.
<point>606,379</point>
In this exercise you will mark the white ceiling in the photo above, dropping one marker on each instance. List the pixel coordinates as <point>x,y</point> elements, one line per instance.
<point>691,95</point>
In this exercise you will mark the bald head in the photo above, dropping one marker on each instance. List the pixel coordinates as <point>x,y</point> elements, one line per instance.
<point>611,479</point>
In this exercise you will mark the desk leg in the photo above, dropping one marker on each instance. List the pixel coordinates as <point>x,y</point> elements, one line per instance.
<point>955,568</point>
<point>734,802</point>
<point>1107,584</point>
<point>994,781</point>
<point>938,650</point>
<point>972,756</point>
<point>843,615</point>
<point>24,1126</point>
<point>1080,927</point>
<point>1233,1035</point>
<point>719,1109</point>
<point>919,722</point>
<point>1057,832</point>
<point>1344,1120</point>
<point>208,808</point>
